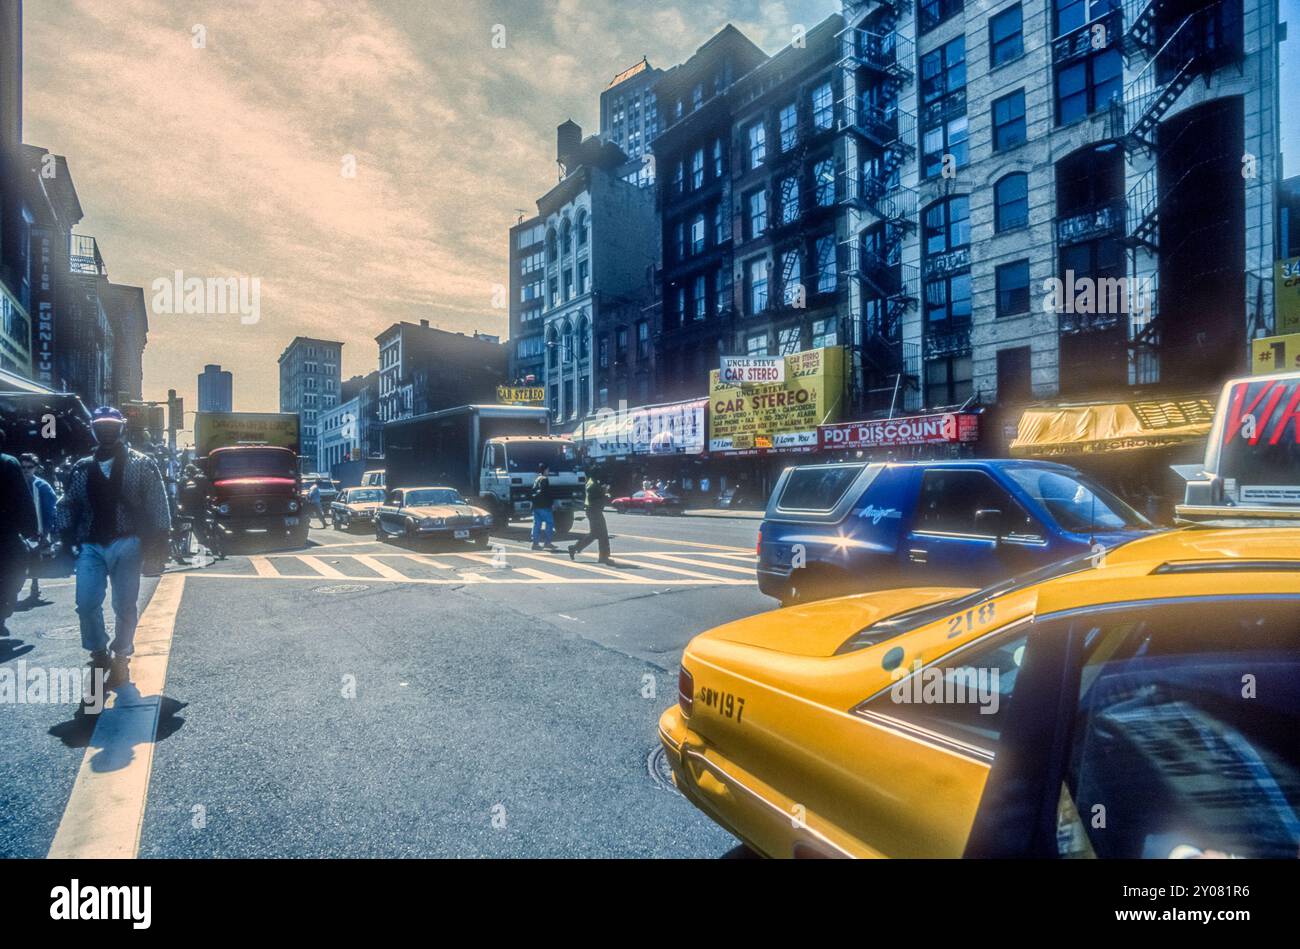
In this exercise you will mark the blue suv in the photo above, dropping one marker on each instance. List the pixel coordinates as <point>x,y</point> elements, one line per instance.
<point>836,529</point>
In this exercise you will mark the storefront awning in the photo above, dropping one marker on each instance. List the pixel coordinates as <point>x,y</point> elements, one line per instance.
<point>1110,427</point>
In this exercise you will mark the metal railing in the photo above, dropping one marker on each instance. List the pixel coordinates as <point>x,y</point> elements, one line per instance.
<point>84,257</point>
<point>890,53</point>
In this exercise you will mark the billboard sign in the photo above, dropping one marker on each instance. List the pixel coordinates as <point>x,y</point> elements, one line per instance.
<point>780,416</point>
<point>752,370</point>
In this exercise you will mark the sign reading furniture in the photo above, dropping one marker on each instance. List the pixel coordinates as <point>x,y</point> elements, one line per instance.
<point>779,416</point>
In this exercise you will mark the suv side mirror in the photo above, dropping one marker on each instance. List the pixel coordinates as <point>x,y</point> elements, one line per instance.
<point>988,520</point>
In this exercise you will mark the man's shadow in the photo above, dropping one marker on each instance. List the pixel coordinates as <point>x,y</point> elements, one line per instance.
<point>13,648</point>
<point>79,731</point>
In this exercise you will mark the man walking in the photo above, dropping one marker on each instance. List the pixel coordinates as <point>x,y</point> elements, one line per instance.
<point>17,520</point>
<point>314,508</point>
<point>116,511</point>
<point>597,531</point>
<point>43,499</point>
<point>543,515</point>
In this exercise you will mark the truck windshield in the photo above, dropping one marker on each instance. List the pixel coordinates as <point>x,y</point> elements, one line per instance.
<point>1075,503</point>
<point>254,463</point>
<point>366,494</point>
<point>524,457</point>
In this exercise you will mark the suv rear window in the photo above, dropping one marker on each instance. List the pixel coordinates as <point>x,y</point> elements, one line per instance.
<point>817,487</point>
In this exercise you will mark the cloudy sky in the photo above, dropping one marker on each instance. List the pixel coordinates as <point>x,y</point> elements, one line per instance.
<point>227,160</point>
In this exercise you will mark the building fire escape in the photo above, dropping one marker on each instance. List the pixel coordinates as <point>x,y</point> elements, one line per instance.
<point>875,68</point>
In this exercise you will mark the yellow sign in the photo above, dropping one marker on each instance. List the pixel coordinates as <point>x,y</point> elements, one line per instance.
<point>218,429</point>
<point>782,415</point>
<point>525,395</point>
<point>1275,354</point>
<point>1286,294</point>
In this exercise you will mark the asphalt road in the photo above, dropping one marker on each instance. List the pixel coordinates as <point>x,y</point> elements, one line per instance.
<point>365,699</point>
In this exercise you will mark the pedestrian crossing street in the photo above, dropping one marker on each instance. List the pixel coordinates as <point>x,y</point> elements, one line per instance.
<point>499,564</point>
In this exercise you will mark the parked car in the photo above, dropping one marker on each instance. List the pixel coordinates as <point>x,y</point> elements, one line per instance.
<point>650,502</point>
<point>847,528</point>
<point>329,489</point>
<point>355,507</point>
<point>940,722</point>
<point>436,513</point>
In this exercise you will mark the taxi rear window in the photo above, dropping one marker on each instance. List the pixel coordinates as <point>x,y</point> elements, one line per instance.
<point>817,488</point>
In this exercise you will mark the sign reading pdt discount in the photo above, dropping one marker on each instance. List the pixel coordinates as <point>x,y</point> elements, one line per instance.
<point>782,415</point>
<point>945,428</point>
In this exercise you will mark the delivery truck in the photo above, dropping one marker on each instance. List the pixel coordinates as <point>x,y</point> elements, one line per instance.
<point>1251,473</point>
<point>251,461</point>
<point>488,452</point>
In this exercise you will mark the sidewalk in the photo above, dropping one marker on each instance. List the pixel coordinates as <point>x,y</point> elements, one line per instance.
<point>742,513</point>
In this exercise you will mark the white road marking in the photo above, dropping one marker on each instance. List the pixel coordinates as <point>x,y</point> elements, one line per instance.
<point>679,558</point>
<point>105,811</point>
<point>263,567</point>
<point>380,568</point>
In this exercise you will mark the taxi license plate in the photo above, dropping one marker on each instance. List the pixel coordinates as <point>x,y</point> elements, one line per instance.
<point>461,535</point>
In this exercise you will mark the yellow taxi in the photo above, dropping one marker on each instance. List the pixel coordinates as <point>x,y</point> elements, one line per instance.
<point>1142,702</point>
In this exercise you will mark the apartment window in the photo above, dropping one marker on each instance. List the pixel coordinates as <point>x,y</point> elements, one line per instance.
<point>602,351</point>
<point>788,341</point>
<point>717,158</point>
<point>642,340</point>
<point>697,169</point>
<point>947,225</point>
<point>584,276</point>
<point>1086,85</point>
<point>757,137</point>
<point>568,284</point>
<point>946,138</point>
<point>947,303</point>
<point>620,346</point>
<point>789,190</point>
<point>824,333</point>
<point>697,97</point>
<point>566,237</point>
<point>1006,36</point>
<point>719,224</point>
<point>948,381</point>
<point>791,276</point>
<point>931,13</point>
<point>582,228</point>
<point>697,234</point>
<point>554,288</point>
<point>943,70</point>
<point>679,233</point>
<point>722,290</point>
<point>756,202</point>
<point>1014,384</point>
<point>1011,202</point>
<point>1012,284</point>
<point>1072,14</point>
<point>827,276</point>
<point>756,345</point>
<point>824,182</point>
<point>679,178</point>
<point>788,122</point>
<point>1009,121</point>
<point>823,106</point>
<point>700,301</point>
<point>757,271</point>
<point>681,303</point>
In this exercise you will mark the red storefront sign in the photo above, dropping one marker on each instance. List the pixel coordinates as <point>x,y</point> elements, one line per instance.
<point>946,428</point>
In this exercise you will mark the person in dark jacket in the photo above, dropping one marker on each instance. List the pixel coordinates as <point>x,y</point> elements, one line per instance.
<point>116,511</point>
<point>543,513</point>
<point>597,530</point>
<point>44,500</point>
<point>17,522</point>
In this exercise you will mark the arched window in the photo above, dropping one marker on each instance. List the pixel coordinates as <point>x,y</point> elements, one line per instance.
<point>552,347</point>
<point>583,332</point>
<point>1011,202</point>
<point>566,237</point>
<point>551,254</point>
<point>582,228</point>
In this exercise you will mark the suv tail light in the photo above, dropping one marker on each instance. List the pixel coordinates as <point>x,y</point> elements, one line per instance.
<point>685,691</point>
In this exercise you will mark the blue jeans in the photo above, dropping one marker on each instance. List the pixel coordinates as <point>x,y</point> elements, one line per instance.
<point>543,525</point>
<point>118,561</point>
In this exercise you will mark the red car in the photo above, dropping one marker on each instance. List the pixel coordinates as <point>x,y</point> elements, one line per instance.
<point>650,502</point>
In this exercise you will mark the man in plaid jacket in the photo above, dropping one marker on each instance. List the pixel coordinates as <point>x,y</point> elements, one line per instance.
<point>117,513</point>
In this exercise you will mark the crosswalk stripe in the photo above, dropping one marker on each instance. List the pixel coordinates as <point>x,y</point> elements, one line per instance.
<point>537,574</point>
<point>590,568</point>
<point>263,567</point>
<point>426,560</point>
<point>321,567</point>
<point>678,558</point>
<point>686,543</point>
<point>676,570</point>
<point>380,568</point>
